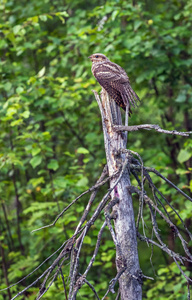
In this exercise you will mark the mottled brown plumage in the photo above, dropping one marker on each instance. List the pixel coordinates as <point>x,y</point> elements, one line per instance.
<point>114,80</point>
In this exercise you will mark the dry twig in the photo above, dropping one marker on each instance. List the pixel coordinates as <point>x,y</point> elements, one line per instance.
<point>149,127</point>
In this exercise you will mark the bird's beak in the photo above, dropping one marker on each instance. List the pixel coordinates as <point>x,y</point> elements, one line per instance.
<point>90,57</point>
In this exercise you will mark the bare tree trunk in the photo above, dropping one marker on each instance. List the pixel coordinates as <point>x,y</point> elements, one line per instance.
<point>130,281</point>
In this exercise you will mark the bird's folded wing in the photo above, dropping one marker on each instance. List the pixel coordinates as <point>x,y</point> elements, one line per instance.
<point>109,71</point>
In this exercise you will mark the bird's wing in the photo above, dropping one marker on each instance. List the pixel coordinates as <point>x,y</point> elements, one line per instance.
<point>127,93</point>
<point>114,79</point>
<point>110,71</point>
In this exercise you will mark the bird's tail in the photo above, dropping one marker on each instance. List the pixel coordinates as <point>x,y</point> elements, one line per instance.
<point>129,96</point>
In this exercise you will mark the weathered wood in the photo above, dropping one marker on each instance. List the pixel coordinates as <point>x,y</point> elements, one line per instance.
<point>130,281</point>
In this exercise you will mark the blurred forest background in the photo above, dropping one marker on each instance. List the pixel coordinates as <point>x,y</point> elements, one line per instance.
<point>51,140</point>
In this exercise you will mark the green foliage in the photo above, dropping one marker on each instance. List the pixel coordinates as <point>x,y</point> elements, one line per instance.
<point>163,288</point>
<point>50,131</point>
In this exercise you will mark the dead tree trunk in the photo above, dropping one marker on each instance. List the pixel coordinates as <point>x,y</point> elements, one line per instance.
<point>130,282</point>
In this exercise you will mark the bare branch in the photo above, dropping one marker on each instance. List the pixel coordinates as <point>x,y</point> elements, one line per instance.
<point>134,167</point>
<point>99,209</point>
<point>64,254</point>
<point>82,279</point>
<point>76,264</point>
<point>168,203</point>
<point>96,248</point>
<point>108,220</point>
<point>138,167</point>
<point>113,282</point>
<point>183,273</point>
<point>133,189</point>
<point>32,284</point>
<point>43,290</point>
<point>63,280</point>
<point>118,295</point>
<point>92,287</point>
<point>92,198</point>
<point>162,247</point>
<point>189,293</point>
<point>140,213</point>
<point>35,269</point>
<point>75,200</point>
<point>149,127</point>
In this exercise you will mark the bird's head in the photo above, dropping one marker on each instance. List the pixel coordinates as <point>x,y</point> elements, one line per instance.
<point>98,57</point>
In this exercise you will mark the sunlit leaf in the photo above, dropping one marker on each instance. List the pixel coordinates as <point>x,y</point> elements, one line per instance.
<point>82,150</point>
<point>36,161</point>
<point>41,72</point>
<point>53,165</point>
<point>184,155</point>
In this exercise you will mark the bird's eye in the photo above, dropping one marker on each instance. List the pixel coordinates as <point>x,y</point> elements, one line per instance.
<point>97,56</point>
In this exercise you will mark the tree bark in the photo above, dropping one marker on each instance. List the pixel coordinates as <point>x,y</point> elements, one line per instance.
<point>130,282</point>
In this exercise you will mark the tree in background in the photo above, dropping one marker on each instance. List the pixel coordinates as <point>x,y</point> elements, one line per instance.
<point>51,138</point>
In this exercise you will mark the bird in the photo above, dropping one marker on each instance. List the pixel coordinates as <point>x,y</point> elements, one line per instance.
<point>114,80</point>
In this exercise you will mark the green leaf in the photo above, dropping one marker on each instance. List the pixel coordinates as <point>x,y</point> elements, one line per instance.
<point>41,72</point>
<point>37,206</point>
<point>114,14</point>
<point>34,19</point>
<point>11,37</point>
<point>82,150</point>
<point>16,122</point>
<point>181,98</point>
<point>7,86</point>
<point>36,181</point>
<point>35,161</point>
<point>82,182</point>
<point>16,29</point>
<point>87,240</point>
<point>11,111</point>
<point>35,151</point>
<point>137,24</point>
<point>180,171</point>
<point>53,165</point>
<point>63,13</point>
<point>60,182</point>
<point>43,18</point>
<point>183,156</point>
<point>69,154</point>
<point>19,90</point>
<point>26,114</point>
<point>50,48</point>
